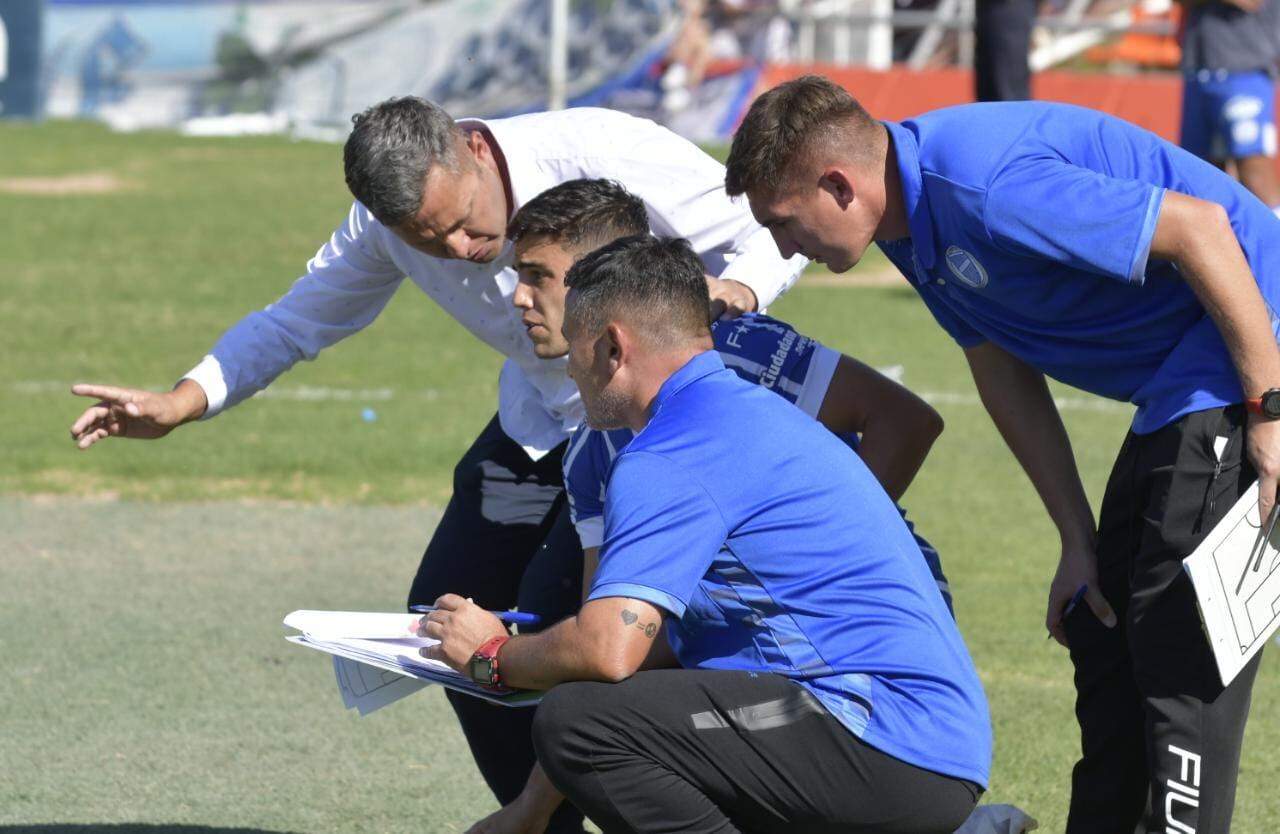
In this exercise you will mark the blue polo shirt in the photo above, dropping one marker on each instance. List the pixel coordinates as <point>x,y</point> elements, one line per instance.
<point>760,350</point>
<point>774,549</point>
<point>1031,227</point>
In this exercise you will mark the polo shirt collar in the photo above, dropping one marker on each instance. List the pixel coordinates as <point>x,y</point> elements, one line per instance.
<point>907,148</point>
<point>702,365</point>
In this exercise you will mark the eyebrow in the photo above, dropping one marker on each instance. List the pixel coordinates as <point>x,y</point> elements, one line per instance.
<point>539,267</point>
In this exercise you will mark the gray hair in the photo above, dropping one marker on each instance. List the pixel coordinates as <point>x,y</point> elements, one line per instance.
<point>390,151</point>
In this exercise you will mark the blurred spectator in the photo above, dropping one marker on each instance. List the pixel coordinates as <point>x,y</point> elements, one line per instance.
<point>1002,44</point>
<point>721,30</point>
<point>1229,54</point>
<point>688,56</point>
<point>750,29</point>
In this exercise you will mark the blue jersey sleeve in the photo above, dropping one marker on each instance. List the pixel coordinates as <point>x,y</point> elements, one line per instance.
<point>770,353</point>
<point>662,532</point>
<point>1048,208</point>
<point>586,465</point>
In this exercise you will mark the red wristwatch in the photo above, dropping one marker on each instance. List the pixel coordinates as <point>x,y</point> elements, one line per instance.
<point>483,666</point>
<point>1266,406</point>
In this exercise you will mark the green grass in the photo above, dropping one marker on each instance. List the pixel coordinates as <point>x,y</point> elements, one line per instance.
<point>146,679</point>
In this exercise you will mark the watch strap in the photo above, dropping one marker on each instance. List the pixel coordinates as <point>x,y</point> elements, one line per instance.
<point>488,653</point>
<point>1266,406</point>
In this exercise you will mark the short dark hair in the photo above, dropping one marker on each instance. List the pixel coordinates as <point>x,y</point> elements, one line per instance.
<point>581,215</point>
<point>789,123</point>
<point>391,149</point>
<point>656,283</point>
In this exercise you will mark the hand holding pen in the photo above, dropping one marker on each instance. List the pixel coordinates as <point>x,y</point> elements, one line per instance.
<point>517,617</point>
<point>461,626</point>
<point>1071,605</point>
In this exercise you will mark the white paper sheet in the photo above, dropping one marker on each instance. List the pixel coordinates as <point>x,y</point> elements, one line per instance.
<point>370,625</point>
<point>1237,582</point>
<point>367,688</point>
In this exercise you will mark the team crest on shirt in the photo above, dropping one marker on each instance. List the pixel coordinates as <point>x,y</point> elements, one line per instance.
<point>966,267</point>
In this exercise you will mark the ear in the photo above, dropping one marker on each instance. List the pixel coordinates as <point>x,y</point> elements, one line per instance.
<point>477,146</point>
<point>836,182</point>
<point>613,350</point>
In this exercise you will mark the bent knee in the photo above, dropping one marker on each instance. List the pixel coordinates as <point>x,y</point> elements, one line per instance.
<point>567,715</point>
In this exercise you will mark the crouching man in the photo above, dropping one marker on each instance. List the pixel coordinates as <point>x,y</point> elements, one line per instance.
<point>762,649</point>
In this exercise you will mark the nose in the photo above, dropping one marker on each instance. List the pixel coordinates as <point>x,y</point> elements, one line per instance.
<point>786,246</point>
<point>458,244</point>
<point>522,299</point>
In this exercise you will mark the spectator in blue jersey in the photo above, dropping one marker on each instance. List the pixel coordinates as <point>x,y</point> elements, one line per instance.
<point>1054,240</point>
<point>888,425</point>
<point>1229,54</point>
<point>810,678</point>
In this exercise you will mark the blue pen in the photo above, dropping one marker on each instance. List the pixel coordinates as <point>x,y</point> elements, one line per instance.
<point>1075,600</point>
<point>1071,605</point>
<point>517,617</point>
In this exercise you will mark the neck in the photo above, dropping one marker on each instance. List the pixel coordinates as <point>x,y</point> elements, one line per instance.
<point>500,168</point>
<point>660,368</point>
<point>893,223</point>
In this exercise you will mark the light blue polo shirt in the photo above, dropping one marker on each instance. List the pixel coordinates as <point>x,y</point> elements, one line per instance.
<point>774,550</point>
<point>759,349</point>
<point>1031,227</point>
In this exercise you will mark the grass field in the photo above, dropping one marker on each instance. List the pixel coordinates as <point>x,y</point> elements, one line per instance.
<point>146,685</point>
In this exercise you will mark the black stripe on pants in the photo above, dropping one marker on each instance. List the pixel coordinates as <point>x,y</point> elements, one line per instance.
<point>692,750</point>
<point>1160,736</point>
<point>505,539</point>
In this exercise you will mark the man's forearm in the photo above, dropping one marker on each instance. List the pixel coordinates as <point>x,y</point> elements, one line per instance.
<point>1018,400</point>
<point>607,641</point>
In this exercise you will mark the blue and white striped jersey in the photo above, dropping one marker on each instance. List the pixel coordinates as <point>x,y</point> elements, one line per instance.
<point>758,349</point>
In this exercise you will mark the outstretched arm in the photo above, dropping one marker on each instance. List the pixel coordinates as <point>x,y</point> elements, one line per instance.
<point>1018,400</point>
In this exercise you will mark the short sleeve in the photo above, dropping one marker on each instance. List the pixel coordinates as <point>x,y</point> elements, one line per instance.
<point>1085,220</point>
<point>662,531</point>
<point>770,353</point>
<point>586,471</point>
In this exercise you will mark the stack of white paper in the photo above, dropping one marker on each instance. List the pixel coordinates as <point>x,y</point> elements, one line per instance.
<point>376,659</point>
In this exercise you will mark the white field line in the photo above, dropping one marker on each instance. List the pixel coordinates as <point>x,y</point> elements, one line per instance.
<point>309,393</point>
<point>305,393</point>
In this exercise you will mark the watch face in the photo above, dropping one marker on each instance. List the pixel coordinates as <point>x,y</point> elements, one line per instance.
<point>482,670</point>
<point>1271,404</point>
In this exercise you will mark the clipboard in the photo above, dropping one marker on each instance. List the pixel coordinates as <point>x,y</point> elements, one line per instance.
<point>1236,575</point>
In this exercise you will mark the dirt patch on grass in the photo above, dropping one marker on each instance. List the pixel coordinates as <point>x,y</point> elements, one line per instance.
<point>93,182</point>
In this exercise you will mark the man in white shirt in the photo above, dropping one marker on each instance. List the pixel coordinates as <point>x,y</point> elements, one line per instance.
<point>433,197</point>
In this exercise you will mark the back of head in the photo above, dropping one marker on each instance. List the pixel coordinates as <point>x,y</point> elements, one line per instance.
<point>656,285</point>
<point>799,121</point>
<point>581,215</point>
<point>391,149</point>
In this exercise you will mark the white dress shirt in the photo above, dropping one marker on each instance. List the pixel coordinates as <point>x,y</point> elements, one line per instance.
<point>355,274</point>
